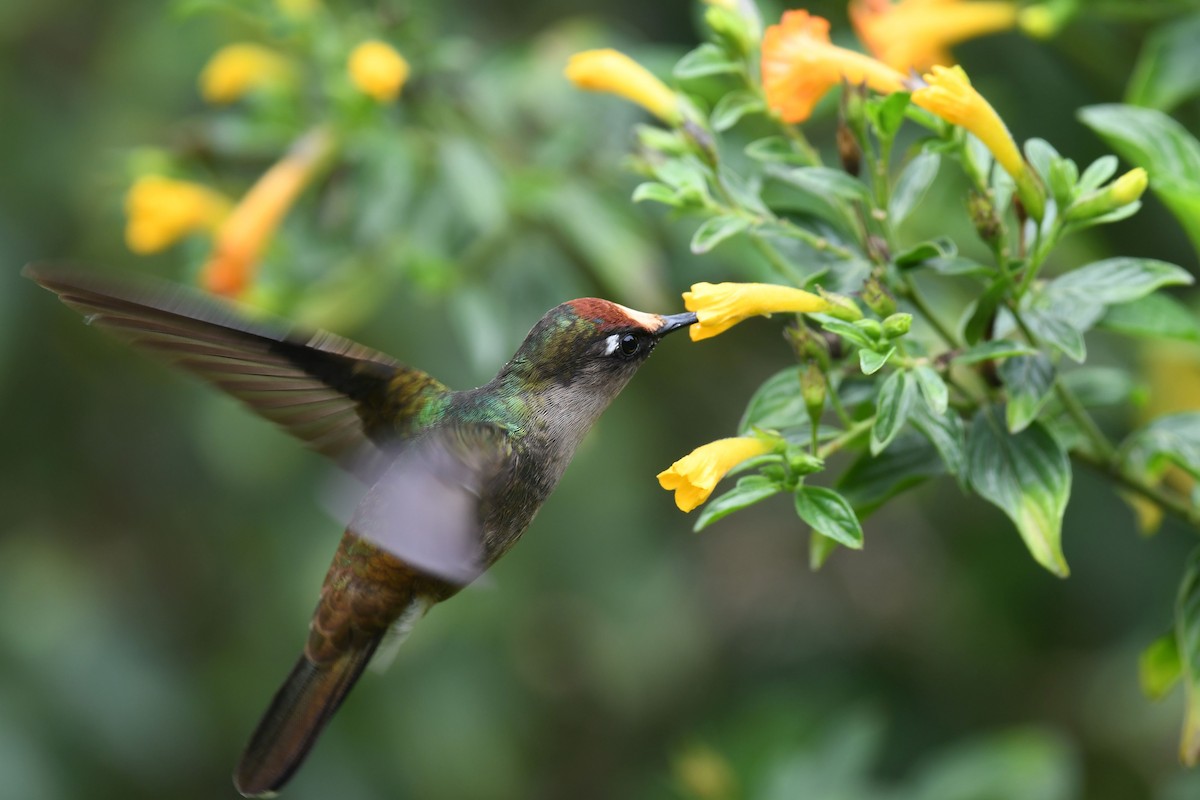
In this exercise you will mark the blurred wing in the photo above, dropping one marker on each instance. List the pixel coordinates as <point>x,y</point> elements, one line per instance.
<point>344,400</point>
<point>427,508</point>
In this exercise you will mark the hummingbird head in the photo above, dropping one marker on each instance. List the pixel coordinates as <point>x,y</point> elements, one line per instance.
<point>581,354</point>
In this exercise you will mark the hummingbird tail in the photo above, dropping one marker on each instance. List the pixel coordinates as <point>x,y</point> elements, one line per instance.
<point>302,706</point>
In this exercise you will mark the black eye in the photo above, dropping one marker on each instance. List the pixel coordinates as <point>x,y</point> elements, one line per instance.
<point>630,344</point>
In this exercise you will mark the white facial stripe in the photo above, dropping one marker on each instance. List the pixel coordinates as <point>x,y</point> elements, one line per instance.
<point>611,344</point>
<point>650,322</point>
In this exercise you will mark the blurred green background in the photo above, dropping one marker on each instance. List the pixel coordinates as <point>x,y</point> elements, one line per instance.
<point>161,549</point>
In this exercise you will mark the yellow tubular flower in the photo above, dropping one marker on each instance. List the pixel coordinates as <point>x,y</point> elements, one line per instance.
<point>949,95</point>
<point>616,73</point>
<point>237,69</point>
<point>720,306</point>
<point>800,64</point>
<point>378,70</point>
<point>694,476</point>
<point>246,231</point>
<point>914,34</point>
<point>160,211</point>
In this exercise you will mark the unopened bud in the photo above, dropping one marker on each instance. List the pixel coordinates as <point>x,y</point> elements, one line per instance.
<point>1124,190</point>
<point>806,343</point>
<point>984,217</point>
<point>812,389</point>
<point>897,325</point>
<point>1044,20</point>
<point>870,327</point>
<point>730,27</point>
<point>848,150</point>
<point>877,298</point>
<point>852,110</point>
<point>840,306</point>
<point>1062,177</point>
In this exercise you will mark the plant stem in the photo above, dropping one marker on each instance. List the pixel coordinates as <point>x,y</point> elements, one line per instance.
<point>776,259</point>
<point>846,437</point>
<point>918,301</point>
<point>1166,498</point>
<point>1104,448</point>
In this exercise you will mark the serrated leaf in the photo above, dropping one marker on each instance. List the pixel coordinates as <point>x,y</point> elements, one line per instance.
<point>1114,281</point>
<point>892,407</point>
<point>873,480</point>
<point>776,404</point>
<point>1028,381</point>
<point>732,107</point>
<point>871,362</point>
<point>1159,667</point>
<point>828,513</point>
<point>933,388</point>
<point>657,193</point>
<point>715,230</point>
<point>1170,154</point>
<point>911,186</point>
<point>1155,316</point>
<point>1172,439</point>
<point>707,59</point>
<point>946,433</point>
<point>993,351</point>
<point>1028,476</point>
<point>748,491</point>
<point>1168,68</point>
<point>1187,639</point>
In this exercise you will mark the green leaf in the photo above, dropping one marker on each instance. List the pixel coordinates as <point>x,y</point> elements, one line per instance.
<point>911,186</point>
<point>888,113</point>
<point>657,193</point>
<point>933,388</point>
<point>1168,69</point>
<point>475,182</point>
<point>828,513</point>
<point>1152,140</point>
<point>983,310</point>
<point>1098,173</point>
<point>1027,475</point>
<point>1099,386</point>
<point>775,150</point>
<point>873,480</point>
<point>1041,154</point>
<point>1172,439</point>
<point>820,548</point>
<point>1057,332</point>
<point>1114,281</point>
<point>946,433</point>
<point>918,254</point>
<point>1155,316</point>
<point>776,405</point>
<point>1028,381</point>
<point>748,491</point>
<point>892,407</point>
<point>707,59</point>
<point>732,107</point>
<point>824,182</point>
<point>1159,667</point>
<point>993,351</point>
<point>715,230</point>
<point>851,333</point>
<point>871,362</point>
<point>1187,639</point>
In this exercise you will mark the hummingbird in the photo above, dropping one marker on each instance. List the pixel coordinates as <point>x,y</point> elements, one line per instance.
<point>454,477</point>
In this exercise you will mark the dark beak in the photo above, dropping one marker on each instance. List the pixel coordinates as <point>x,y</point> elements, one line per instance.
<point>675,322</point>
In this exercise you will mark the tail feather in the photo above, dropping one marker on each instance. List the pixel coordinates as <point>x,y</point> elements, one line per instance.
<point>295,719</point>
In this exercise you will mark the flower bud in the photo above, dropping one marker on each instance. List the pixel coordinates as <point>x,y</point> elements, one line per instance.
<point>877,298</point>
<point>984,217</point>
<point>730,27</point>
<point>812,389</point>
<point>1124,190</point>
<point>871,327</point>
<point>897,325</point>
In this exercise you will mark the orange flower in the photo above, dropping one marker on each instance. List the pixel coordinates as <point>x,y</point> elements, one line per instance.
<point>914,34</point>
<point>246,231</point>
<point>800,64</point>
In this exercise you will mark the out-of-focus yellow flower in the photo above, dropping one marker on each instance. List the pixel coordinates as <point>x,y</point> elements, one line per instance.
<point>250,226</point>
<point>237,69</point>
<point>1130,186</point>
<point>948,93</point>
<point>616,73</point>
<point>800,64</point>
<point>914,34</point>
<point>160,211</point>
<point>694,476</point>
<point>704,774</point>
<point>720,306</point>
<point>378,70</point>
<point>298,9</point>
